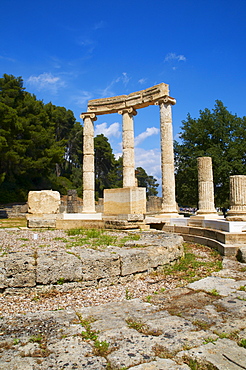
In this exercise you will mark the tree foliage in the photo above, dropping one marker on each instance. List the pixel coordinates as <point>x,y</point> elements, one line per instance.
<point>146,181</point>
<point>218,134</point>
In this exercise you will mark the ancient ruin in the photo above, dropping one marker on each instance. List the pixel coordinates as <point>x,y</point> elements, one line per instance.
<point>126,105</point>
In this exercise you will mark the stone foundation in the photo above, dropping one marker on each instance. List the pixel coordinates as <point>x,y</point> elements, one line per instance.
<point>83,267</point>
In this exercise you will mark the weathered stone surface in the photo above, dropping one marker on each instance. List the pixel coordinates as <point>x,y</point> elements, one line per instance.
<point>54,267</point>
<point>205,186</point>
<point>217,284</point>
<point>138,99</point>
<point>222,354</point>
<point>161,364</point>
<point>154,336</point>
<point>241,254</point>
<point>19,270</point>
<point>237,211</point>
<point>44,201</point>
<point>89,267</point>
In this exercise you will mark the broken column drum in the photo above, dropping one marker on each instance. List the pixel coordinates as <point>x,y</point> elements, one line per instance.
<point>205,186</point>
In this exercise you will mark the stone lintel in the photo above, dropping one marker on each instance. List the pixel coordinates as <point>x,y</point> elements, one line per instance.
<point>139,99</point>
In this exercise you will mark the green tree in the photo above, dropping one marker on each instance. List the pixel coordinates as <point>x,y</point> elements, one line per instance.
<point>218,134</point>
<point>105,174</point>
<point>146,181</point>
<point>33,141</point>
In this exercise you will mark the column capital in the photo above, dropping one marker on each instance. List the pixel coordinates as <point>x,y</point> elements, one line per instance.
<point>166,100</point>
<point>85,115</point>
<point>131,111</point>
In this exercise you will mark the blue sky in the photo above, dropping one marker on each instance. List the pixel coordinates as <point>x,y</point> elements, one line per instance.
<point>70,51</point>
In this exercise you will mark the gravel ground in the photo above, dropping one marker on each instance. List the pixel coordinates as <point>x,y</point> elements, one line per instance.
<point>25,300</point>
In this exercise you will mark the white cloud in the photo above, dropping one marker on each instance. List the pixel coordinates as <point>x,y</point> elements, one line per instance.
<point>150,160</point>
<point>7,58</point>
<point>142,81</point>
<point>108,90</point>
<point>173,56</point>
<point>112,130</point>
<point>82,98</point>
<point>46,81</point>
<point>148,132</point>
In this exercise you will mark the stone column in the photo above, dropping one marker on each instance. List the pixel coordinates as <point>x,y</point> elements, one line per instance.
<point>88,163</point>
<point>128,147</point>
<point>205,186</point>
<point>237,211</point>
<point>167,157</point>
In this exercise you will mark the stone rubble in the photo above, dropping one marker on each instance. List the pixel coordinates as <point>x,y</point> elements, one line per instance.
<point>199,326</point>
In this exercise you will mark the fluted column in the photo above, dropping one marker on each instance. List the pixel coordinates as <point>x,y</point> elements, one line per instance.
<point>167,156</point>
<point>88,163</point>
<point>205,186</point>
<point>237,211</point>
<point>128,147</point>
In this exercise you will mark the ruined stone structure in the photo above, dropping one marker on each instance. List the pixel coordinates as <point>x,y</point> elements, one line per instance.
<point>237,211</point>
<point>126,105</point>
<point>43,208</point>
<point>205,187</point>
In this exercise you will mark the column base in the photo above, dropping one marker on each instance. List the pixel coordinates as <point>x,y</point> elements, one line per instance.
<point>168,215</point>
<point>236,216</point>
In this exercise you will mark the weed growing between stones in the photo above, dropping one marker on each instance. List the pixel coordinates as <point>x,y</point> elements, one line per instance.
<point>61,281</point>
<point>148,298</point>
<point>214,292</point>
<point>210,340</point>
<point>128,295</point>
<point>162,352</point>
<point>242,343</point>
<point>242,288</point>
<point>195,365</point>
<point>142,328</point>
<point>202,325</point>
<point>194,266</point>
<point>97,238</point>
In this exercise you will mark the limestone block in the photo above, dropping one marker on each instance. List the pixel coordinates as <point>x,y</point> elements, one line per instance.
<point>127,139</point>
<point>88,145</point>
<point>222,354</point>
<point>52,266</point>
<point>88,201</point>
<point>2,275</point>
<point>20,270</point>
<point>241,254</point>
<point>138,99</point>
<point>130,200</point>
<point>88,181</point>
<point>44,201</point>
<point>128,158</point>
<point>88,163</point>
<point>41,220</point>
<point>97,265</point>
